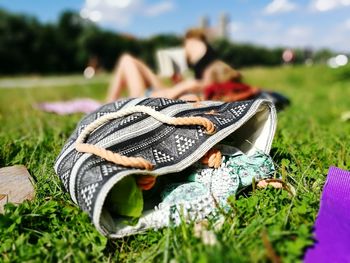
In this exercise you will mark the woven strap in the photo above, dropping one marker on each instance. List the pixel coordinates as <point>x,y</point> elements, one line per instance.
<point>135,162</point>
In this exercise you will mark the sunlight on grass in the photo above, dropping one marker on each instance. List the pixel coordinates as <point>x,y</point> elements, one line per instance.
<point>310,137</point>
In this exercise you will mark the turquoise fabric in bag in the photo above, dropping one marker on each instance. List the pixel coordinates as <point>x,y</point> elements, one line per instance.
<point>235,173</point>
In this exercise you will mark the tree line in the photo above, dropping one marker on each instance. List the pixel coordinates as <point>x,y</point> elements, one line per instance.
<point>67,46</point>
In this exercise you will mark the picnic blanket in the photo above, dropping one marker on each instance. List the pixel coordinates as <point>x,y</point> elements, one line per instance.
<point>154,137</point>
<point>237,91</point>
<point>83,105</point>
<point>230,91</point>
<point>332,227</point>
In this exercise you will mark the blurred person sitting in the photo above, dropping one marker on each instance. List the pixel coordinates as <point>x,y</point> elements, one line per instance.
<point>140,81</point>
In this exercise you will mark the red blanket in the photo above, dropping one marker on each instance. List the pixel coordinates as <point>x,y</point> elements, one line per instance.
<point>230,91</point>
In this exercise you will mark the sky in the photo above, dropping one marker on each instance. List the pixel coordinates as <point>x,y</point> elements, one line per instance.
<point>291,23</point>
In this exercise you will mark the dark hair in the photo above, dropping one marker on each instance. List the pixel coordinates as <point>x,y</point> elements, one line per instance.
<point>196,33</point>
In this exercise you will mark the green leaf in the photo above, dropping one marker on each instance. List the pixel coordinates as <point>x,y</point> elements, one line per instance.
<point>125,198</point>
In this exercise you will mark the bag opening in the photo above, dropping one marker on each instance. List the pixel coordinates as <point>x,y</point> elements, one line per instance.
<point>254,135</point>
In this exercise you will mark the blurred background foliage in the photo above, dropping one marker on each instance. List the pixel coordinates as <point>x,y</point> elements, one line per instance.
<point>70,44</point>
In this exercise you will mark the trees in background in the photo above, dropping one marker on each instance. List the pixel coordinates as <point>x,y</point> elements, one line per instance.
<point>243,55</point>
<point>28,46</point>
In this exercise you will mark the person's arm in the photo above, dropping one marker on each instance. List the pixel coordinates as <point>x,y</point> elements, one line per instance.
<point>187,86</point>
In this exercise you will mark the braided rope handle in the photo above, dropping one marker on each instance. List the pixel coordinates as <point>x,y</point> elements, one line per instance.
<point>212,158</point>
<point>136,162</point>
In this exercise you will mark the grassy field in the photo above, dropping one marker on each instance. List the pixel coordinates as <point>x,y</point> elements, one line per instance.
<point>310,137</point>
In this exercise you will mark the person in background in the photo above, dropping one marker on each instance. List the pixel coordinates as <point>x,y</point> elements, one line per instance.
<point>140,81</point>
<point>199,54</point>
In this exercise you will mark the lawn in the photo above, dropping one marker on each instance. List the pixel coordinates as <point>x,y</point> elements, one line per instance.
<point>310,138</point>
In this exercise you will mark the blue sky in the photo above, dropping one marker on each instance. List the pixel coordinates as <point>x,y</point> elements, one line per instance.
<point>294,23</point>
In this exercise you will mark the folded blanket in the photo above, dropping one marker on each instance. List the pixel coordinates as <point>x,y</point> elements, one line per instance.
<point>69,107</point>
<point>230,91</point>
<point>236,91</point>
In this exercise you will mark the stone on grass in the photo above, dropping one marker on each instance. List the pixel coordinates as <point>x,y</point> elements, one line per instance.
<point>16,185</point>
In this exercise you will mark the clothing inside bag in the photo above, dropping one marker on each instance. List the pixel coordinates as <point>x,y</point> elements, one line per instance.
<point>187,189</point>
<point>194,187</point>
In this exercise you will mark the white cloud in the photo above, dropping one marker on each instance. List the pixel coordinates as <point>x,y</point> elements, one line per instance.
<point>339,41</point>
<point>338,38</point>
<point>272,34</point>
<point>119,3</point>
<point>301,36</point>
<point>235,27</point>
<point>258,27</point>
<point>298,32</point>
<point>159,9</point>
<point>294,36</point>
<point>275,34</point>
<point>268,26</point>
<point>327,5</point>
<point>279,6</point>
<point>119,13</point>
<point>347,24</point>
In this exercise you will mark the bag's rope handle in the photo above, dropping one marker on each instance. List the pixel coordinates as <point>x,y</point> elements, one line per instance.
<point>212,158</point>
<point>136,162</point>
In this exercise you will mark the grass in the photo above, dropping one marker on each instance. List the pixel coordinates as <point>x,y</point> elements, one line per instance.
<point>310,137</point>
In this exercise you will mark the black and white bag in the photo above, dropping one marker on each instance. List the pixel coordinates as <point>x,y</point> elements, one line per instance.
<point>154,130</point>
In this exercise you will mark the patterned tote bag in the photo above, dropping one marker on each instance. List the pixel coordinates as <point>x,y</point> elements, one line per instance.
<point>159,138</point>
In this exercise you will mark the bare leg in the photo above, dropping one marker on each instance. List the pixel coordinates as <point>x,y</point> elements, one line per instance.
<point>133,74</point>
<point>152,79</point>
<point>127,73</point>
<point>116,83</point>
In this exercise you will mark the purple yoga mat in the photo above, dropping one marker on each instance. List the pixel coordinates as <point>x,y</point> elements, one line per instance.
<point>332,227</point>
